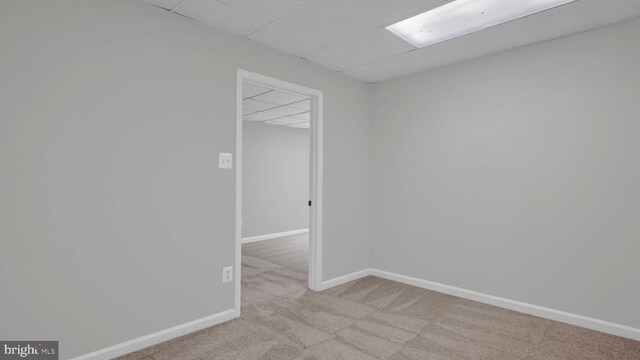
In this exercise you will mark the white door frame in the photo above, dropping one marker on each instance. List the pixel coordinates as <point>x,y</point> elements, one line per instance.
<point>315,178</point>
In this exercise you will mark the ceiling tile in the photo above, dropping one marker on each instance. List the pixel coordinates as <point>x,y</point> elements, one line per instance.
<point>274,122</point>
<point>165,4</point>
<point>220,16</point>
<point>304,125</point>
<point>449,52</point>
<point>303,116</point>
<point>372,45</point>
<point>253,105</point>
<point>286,121</point>
<point>250,90</point>
<point>268,11</point>
<point>349,36</point>
<point>565,20</point>
<point>302,105</point>
<point>279,98</point>
<point>286,111</point>
<point>548,25</point>
<point>260,116</point>
<point>328,21</point>
<point>293,42</point>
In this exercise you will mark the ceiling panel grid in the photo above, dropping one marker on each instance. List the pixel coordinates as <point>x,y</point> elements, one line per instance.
<point>275,107</point>
<point>349,36</point>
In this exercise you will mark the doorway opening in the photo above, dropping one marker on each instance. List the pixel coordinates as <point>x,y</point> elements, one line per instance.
<point>279,130</point>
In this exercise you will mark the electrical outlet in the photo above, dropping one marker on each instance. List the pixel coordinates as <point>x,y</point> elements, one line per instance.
<point>227,274</point>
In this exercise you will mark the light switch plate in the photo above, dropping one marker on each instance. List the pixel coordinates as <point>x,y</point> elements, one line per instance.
<point>227,274</point>
<point>225,161</point>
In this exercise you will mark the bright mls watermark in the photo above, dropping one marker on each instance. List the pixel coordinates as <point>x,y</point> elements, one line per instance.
<point>31,350</point>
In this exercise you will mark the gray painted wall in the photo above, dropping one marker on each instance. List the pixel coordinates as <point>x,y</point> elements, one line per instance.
<point>514,175</point>
<point>517,174</point>
<point>275,179</point>
<point>114,219</point>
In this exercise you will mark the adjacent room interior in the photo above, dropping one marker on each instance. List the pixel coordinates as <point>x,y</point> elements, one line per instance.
<point>320,179</point>
<point>276,167</point>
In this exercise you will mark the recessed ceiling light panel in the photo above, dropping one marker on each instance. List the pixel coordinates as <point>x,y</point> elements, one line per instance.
<point>461,17</point>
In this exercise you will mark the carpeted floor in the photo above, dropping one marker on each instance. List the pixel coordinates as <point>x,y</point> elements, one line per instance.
<point>274,268</point>
<point>373,318</point>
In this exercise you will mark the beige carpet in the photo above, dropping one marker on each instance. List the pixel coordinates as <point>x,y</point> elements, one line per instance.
<point>373,318</point>
<point>274,268</point>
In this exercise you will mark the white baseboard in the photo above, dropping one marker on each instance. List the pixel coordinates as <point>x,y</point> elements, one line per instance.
<point>273,236</point>
<point>344,279</point>
<point>535,310</point>
<point>160,336</point>
<point>540,311</point>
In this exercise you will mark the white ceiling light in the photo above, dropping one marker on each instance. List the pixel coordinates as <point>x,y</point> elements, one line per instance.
<point>461,17</point>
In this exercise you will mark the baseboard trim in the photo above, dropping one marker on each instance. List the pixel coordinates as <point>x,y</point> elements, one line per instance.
<point>519,306</point>
<point>345,279</point>
<point>540,311</point>
<point>160,336</point>
<point>273,236</point>
<point>215,319</point>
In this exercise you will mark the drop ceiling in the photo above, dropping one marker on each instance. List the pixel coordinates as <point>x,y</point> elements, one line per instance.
<point>275,107</point>
<point>349,36</point>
